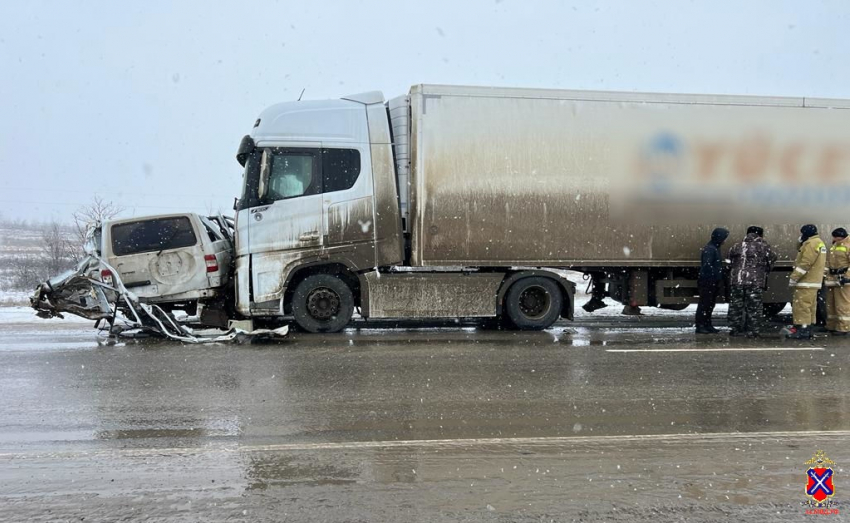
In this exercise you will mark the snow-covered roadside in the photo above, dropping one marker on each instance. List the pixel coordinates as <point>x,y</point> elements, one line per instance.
<point>14,298</point>
<point>614,308</point>
<point>19,314</point>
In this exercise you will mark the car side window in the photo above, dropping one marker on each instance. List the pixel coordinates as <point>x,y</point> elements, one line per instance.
<point>152,235</point>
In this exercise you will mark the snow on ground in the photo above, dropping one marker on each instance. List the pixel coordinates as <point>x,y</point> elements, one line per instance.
<point>17,242</point>
<point>614,308</point>
<point>27,315</point>
<point>14,298</point>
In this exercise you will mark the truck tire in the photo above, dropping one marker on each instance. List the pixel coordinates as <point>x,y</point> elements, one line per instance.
<point>322,303</point>
<point>534,303</point>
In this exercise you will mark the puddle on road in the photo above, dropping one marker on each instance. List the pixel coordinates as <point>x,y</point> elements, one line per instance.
<point>275,470</point>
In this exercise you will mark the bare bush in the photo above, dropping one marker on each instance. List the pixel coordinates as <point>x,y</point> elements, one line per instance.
<point>58,249</point>
<point>96,212</point>
<point>26,271</point>
<point>55,255</point>
<point>58,252</point>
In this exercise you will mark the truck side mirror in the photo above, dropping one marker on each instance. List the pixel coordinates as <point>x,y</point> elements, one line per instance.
<point>235,203</point>
<point>265,165</point>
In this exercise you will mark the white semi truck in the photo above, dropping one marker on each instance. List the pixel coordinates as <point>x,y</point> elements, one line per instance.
<point>469,202</point>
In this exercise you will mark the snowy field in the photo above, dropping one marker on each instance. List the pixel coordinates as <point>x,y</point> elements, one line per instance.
<point>21,314</point>
<point>14,298</point>
<point>614,308</point>
<point>19,241</point>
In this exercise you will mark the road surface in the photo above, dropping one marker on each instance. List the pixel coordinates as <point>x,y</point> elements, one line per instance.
<point>610,419</point>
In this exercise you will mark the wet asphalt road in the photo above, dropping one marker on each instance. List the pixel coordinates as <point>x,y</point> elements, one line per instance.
<point>448,424</point>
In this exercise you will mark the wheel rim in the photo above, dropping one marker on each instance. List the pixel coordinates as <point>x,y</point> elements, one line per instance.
<point>323,304</point>
<point>534,302</point>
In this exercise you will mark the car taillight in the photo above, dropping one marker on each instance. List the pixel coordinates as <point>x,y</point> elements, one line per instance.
<point>212,263</point>
<point>106,277</point>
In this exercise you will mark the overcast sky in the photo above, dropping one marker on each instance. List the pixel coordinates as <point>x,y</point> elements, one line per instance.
<point>146,104</point>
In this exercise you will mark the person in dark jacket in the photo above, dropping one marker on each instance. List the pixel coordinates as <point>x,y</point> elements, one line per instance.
<point>710,280</point>
<point>751,261</point>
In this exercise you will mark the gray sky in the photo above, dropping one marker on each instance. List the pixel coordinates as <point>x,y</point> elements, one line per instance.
<point>146,103</point>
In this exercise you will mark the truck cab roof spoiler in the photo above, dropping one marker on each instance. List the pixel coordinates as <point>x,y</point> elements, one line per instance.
<point>368,98</point>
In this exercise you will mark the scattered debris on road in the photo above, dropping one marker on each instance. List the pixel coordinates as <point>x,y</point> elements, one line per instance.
<point>81,292</point>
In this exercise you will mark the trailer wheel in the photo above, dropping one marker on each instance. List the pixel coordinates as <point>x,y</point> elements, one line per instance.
<point>533,303</point>
<point>322,303</point>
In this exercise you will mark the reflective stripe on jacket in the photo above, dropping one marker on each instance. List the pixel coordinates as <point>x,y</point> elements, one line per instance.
<point>810,264</point>
<point>838,259</point>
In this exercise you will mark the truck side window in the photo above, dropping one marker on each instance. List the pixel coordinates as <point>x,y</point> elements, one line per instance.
<point>340,169</point>
<point>152,235</point>
<point>293,174</point>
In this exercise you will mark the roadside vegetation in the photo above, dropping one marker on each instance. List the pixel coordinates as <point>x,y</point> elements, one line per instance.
<point>31,252</point>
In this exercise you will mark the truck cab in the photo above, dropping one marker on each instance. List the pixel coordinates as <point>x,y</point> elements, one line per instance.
<point>318,197</point>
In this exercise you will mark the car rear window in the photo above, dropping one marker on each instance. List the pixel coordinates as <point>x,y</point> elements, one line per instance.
<point>152,235</point>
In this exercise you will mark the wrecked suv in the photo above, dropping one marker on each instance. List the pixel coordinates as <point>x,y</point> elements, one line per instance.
<point>137,271</point>
<point>173,260</point>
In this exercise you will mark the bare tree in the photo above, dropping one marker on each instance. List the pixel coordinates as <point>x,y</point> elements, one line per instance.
<point>54,256</point>
<point>57,249</point>
<point>25,271</point>
<point>97,211</point>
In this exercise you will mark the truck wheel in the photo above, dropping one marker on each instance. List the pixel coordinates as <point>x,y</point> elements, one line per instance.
<point>534,303</point>
<point>322,303</point>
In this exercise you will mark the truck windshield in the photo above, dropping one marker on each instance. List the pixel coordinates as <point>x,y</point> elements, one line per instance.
<point>250,182</point>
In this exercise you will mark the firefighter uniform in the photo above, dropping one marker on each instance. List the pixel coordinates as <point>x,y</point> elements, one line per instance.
<point>838,295</point>
<point>807,279</point>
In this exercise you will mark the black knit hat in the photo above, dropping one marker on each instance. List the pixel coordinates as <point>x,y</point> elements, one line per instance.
<point>840,232</point>
<point>755,229</point>
<point>807,231</point>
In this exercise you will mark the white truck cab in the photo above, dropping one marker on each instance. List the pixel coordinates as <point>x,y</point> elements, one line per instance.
<point>312,173</point>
